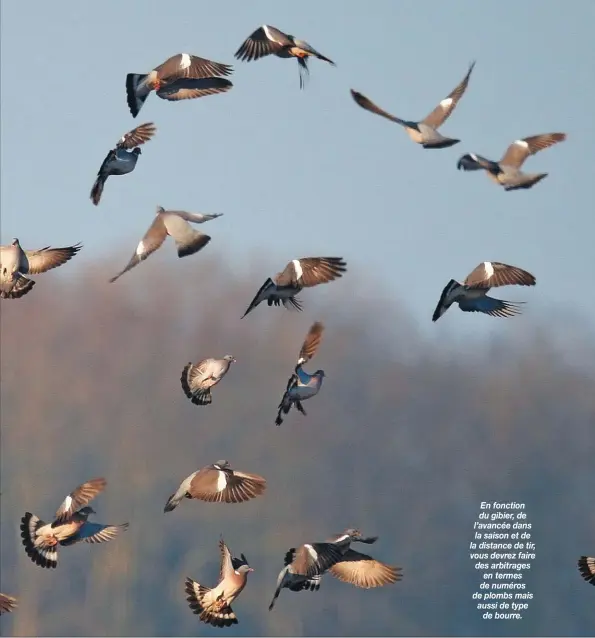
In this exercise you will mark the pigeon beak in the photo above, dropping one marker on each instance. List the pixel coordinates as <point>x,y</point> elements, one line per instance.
<point>250,569</point>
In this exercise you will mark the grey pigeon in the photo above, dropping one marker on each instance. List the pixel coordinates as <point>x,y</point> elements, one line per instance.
<point>304,564</point>
<point>424,132</point>
<point>7,604</point>
<point>218,483</point>
<point>213,606</point>
<point>507,172</point>
<point>70,526</point>
<point>356,568</point>
<point>181,77</point>
<point>121,160</point>
<point>16,262</point>
<point>267,40</point>
<point>472,294</point>
<point>586,567</point>
<point>299,273</point>
<point>198,379</point>
<point>301,385</point>
<point>173,223</point>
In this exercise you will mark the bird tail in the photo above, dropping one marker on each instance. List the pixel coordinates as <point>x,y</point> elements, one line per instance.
<point>97,189</point>
<point>213,612</point>
<point>37,551</point>
<point>174,500</point>
<point>135,93</point>
<point>198,396</point>
<point>20,288</point>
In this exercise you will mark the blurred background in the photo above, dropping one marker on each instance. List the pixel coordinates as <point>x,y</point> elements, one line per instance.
<point>417,422</point>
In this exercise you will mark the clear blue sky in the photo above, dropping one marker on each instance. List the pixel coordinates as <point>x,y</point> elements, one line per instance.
<point>301,173</point>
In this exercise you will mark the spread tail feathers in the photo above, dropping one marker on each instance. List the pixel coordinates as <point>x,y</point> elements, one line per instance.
<point>135,97</point>
<point>20,288</point>
<point>216,613</point>
<point>97,189</point>
<point>198,396</point>
<point>37,551</point>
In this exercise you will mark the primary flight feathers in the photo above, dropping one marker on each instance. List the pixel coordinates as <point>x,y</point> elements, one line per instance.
<point>176,224</point>
<point>198,379</point>
<point>181,77</point>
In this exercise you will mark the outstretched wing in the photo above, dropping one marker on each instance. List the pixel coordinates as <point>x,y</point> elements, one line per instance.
<point>264,41</point>
<point>98,533</point>
<point>443,111</point>
<point>47,258</point>
<point>520,150</point>
<point>490,274</point>
<point>226,566</point>
<point>191,88</point>
<point>364,571</point>
<point>78,498</point>
<point>137,136</point>
<point>311,342</point>
<point>368,105</point>
<point>490,306</point>
<point>184,65</point>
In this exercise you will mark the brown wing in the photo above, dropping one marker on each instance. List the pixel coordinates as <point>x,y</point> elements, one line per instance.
<point>79,497</point>
<point>191,88</point>
<point>586,567</point>
<point>47,258</point>
<point>364,571</point>
<point>151,241</point>
<point>311,342</point>
<point>226,566</point>
<point>264,41</point>
<point>520,150</point>
<point>321,270</point>
<point>368,105</point>
<point>185,65</point>
<point>312,559</point>
<point>443,111</point>
<point>196,375</point>
<point>220,486</point>
<point>490,274</point>
<point>7,603</point>
<point>137,136</point>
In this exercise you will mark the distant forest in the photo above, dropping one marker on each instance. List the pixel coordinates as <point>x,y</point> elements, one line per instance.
<point>404,441</point>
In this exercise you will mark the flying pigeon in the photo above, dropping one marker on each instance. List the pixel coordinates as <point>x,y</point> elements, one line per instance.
<point>424,132</point>
<point>16,262</point>
<point>299,273</point>
<point>218,483</point>
<point>301,385</point>
<point>267,40</point>
<point>586,566</point>
<point>507,172</point>
<point>70,526</point>
<point>304,564</point>
<point>173,223</point>
<point>181,77</point>
<point>122,160</point>
<point>213,606</point>
<point>7,604</point>
<point>198,379</point>
<point>472,294</point>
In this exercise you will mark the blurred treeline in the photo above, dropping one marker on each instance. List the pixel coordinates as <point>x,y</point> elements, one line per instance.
<point>406,439</point>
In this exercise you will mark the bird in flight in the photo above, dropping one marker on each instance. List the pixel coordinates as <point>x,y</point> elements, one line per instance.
<point>298,274</point>
<point>507,172</point>
<point>424,132</point>
<point>198,379</point>
<point>471,295</point>
<point>15,263</point>
<point>267,40</point>
<point>181,77</point>
<point>121,160</point>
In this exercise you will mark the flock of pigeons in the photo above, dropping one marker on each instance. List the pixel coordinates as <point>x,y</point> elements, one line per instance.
<point>186,76</point>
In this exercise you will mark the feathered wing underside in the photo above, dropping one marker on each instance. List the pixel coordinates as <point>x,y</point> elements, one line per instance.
<point>98,533</point>
<point>47,258</point>
<point>444,110</point>
<point>78,498</point>
<point>364,571</point>
<point>188,240</point>
<point>137,136</point>
<point>490,306</point>
<point>7,603</point>
<point>494,273</point>
<point>191,88</point>
<point>151,241</point>
<point>519,150</point>
<point>368,105</point>
<point>266,40</point>
<point>311,342</point>
<point>226,564</point>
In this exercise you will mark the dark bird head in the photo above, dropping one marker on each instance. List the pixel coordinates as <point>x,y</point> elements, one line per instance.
<point>15,242</point>
<point>470,162</point>
<point>222,464</point>
<point>320,373</point>
<point>137,151</point>
<point>241,565</point>
<point>87,510</point>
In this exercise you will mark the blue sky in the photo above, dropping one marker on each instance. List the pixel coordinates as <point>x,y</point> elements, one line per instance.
<point>301,173</point>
